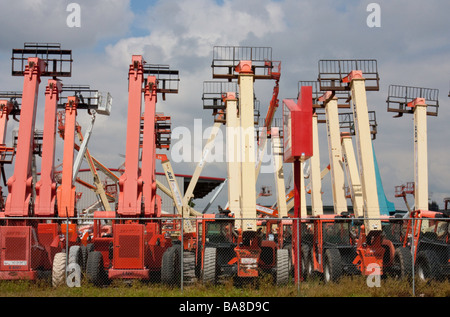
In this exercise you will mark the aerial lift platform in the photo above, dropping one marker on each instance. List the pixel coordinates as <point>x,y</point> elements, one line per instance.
<point>429,247</point>
<point>222,97</point>
<point>28,246</point>
<point>236,108</point>
<point>247,64</point>
<point>317,248</point>
<point>359,76</point>
<point>72,99</point>
<point>136,238</point>
<point>336,76</point>
<point>94,102</point>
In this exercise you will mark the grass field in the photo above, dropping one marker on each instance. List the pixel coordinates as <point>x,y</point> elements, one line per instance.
<point>347,287</point>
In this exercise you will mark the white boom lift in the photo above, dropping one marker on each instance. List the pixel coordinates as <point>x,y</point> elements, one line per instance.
<point>420,102</point>
<point>347,75</point>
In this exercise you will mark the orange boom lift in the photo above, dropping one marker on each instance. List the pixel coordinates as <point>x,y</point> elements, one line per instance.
<point>134,247</point>
<point>28,246</point>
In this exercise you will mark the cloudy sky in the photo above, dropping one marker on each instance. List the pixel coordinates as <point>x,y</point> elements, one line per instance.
<point>410,42</point>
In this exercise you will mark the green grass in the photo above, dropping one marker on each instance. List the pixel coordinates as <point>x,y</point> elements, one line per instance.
<point>347,287</point>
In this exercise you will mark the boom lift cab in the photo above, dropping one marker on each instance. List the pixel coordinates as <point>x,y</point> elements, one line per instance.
<point>329,246</point>
<point>216,243</point>
<point>211,253</point>
<point>426,233</point>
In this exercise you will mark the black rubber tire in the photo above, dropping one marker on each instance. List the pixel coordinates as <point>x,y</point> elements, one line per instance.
<point>402,265</point>
<point>209,273</point>
<point>427,266</point>
<point>188,267</point>
<point>291,265</point>
<point>84,255</point>
<point>95,271</point>
<point>282,269</point>
<point>304,261</point>
<point>90,247</point>
<point>332,265</point>
<point>75,255</point>
<point>170,266</point>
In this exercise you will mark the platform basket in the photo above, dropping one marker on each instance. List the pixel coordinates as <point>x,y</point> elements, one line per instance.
<point>332,73</point>
<point>168,79</point>
<point>226,58</point>
<point>214,91</point>
<point>58,61</point>
<point>399,97</point>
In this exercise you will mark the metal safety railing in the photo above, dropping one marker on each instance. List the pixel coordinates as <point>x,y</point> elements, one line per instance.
<point>226,58</point>
<point>333,72</point>
<point>58,61</point>
<point>214,92</point>
<point>168,80</point>
<point>400,96</point>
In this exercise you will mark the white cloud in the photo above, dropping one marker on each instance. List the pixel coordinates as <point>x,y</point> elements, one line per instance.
<point>185,28</point>
<point>45,21</point>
